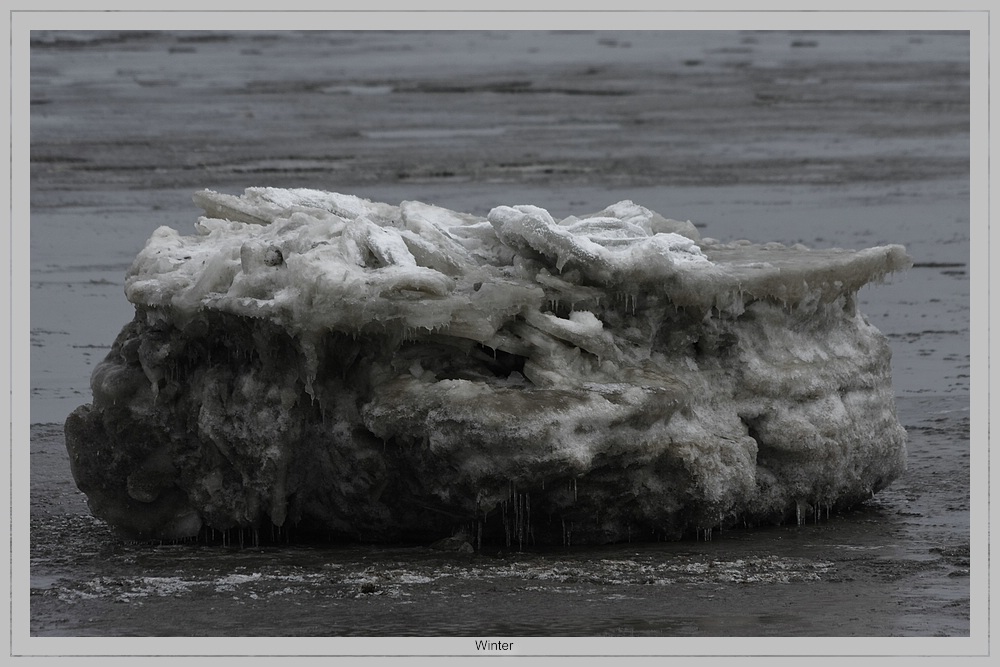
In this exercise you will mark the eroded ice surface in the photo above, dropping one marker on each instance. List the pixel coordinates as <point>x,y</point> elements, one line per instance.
<point>384,372</point>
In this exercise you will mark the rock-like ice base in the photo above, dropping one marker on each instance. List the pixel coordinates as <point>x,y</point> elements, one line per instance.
<point>383,372</point>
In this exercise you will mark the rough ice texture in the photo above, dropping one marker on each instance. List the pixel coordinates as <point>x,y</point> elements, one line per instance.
<point>384,372</point>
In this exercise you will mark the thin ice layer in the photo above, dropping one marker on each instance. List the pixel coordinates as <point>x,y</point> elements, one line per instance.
<point>379,371</point>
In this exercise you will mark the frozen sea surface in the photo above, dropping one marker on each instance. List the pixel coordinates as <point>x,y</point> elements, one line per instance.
<point>827,139</point>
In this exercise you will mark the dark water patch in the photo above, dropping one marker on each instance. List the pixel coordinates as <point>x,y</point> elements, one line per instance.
<point>57,159</point>
<point>84,268</point>
<point>204,38</point>
<point>913,336</point>
<point>287,86</point>
<point>77,40</point>
<point>517,86</point>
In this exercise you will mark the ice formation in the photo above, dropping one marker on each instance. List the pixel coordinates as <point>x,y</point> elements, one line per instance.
<point>381,372</point>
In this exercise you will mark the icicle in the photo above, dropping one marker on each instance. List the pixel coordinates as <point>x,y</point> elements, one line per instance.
<point>527,507</point>
<point>506,523</point>
<point>517,513</point>
<point>520,523</point>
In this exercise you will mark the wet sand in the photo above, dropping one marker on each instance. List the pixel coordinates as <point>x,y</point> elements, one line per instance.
<point>828,139</point>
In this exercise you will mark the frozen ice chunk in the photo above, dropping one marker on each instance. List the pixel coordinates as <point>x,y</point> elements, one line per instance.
<point>650,221</point>
<point>392,372</point>
<point>529,227</point>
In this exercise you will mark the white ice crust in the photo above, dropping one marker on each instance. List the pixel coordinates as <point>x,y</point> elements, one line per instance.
<point>318,261</point>
<point>325,261</point>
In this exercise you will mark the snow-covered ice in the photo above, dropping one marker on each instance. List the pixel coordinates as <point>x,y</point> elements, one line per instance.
<point>407,372</point>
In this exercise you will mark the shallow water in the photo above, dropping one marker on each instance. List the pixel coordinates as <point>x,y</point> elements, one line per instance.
<point>839,140</point>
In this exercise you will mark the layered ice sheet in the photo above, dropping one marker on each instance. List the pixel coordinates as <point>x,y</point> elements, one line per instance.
<point>317,360</point>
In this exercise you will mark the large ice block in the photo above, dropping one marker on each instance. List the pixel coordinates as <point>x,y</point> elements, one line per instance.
<point>315,360</point>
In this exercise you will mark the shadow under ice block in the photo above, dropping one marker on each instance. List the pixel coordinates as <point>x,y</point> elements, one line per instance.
<point>397,373</point>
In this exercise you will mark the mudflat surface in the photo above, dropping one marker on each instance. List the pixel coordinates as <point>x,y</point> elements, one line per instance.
<point>827,139</point>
